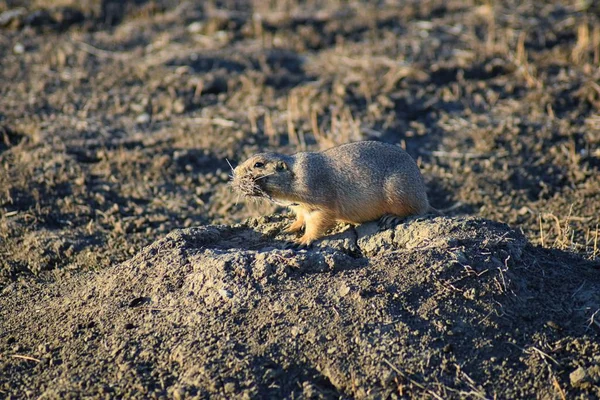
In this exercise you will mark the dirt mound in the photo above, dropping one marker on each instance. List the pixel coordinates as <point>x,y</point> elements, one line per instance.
<point>434,307</point>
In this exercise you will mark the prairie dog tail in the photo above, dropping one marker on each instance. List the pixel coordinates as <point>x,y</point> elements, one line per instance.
<point>443,212</point>
<point>434,211</point>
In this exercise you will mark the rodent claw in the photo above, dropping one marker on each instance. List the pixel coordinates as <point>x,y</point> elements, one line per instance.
<point>388,221</point>
<point>296,246</point>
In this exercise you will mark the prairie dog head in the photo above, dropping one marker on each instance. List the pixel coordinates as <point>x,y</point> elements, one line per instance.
<point>264,175</point>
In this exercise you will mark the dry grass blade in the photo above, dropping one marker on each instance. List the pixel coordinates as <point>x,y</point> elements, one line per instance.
<point>232,169</point>
<point>226,123</point>
<point>560,391</point>
<point>595,253</point>
<point>566,234</point>
<point>247,185</point>
<point>541,231</point>
<point>593,321</point>
<point>543,355</point>
<point>28,358</point>
<point>100,53</point>
<point>417,384</point>
<point>475,391</point>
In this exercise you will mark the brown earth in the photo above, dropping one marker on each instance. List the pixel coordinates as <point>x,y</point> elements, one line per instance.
<point>116,123</point>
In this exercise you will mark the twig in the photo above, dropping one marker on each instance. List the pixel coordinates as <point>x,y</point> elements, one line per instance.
<point>558,388</point>
<point>580,219</point>
<point>544,355</point>
<point>28,358</point>
<point>541,353</point>
<point>88,48</point>
<point>453,207</point>
<point>593,319</point>
<point>475,391</point>
<point>230,166</point>
<point>541,230</point>
<point>595,244</point>
<point>577,291</point>
<point>215,121</point>
<point>402,374</point>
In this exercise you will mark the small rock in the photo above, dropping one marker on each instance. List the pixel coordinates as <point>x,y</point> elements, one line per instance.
<point>179,106</point>
<point>226,294</point>
<point>523,210</point>
<point>143,118</point>
<point>578,377</point>
<point>343,290</point>
<point>19,48</point>
<point>222,36</point>
<point>195,27</point>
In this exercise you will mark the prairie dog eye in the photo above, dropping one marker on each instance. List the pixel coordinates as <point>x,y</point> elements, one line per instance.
<point>259,165</point>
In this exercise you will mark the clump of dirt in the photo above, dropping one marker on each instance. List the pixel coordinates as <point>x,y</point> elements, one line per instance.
<point>444,307</point>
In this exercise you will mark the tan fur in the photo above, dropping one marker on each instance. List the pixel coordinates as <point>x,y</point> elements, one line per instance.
<point>354,183</point>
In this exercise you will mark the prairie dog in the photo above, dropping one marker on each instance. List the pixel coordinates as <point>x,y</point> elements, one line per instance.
<point>354,183</point>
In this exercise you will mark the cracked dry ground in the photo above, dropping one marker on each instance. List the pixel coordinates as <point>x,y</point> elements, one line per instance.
<point>116,131</point>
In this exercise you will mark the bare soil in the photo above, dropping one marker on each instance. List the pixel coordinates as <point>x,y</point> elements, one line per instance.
<point>129,269</point>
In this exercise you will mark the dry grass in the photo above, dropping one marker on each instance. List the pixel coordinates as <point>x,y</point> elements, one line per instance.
<point>563,233</point>
<point>527,70</point>
<point>587,47</point>
<point>59,3</point>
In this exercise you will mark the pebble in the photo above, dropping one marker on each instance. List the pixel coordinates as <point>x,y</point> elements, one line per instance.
<point>195,27</point>
<point>578,376</point>
<point>19,48</point>
<point>143,118</point>
<point>179,106</point>
<point>343,290</point>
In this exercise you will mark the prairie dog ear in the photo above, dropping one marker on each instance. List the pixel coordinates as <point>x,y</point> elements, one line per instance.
<point>282,166</point>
